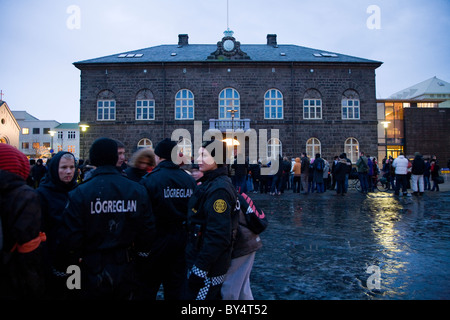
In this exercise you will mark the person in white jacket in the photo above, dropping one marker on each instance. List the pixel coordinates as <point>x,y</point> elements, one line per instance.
<point>401,169</point>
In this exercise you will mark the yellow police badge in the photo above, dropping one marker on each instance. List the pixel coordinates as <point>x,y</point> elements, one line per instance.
<point>220,206</point>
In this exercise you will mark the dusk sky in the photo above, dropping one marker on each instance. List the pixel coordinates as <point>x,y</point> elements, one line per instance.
<point>40,40</point>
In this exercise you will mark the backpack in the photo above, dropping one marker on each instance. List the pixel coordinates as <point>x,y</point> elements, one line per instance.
<point>320,165</point>
<point>255,218</point>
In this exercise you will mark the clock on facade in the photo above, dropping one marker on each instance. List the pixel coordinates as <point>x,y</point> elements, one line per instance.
<point>228,45</point>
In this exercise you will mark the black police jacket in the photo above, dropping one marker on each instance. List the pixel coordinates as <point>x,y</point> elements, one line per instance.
<point>212,223</point>
<point>169,189</point>
<point>107,213</point>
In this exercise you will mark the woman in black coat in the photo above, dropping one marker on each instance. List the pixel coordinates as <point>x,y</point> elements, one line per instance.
<point>54,192</point>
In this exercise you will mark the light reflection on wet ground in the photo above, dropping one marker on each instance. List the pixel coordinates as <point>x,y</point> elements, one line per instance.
<point>320,246</point>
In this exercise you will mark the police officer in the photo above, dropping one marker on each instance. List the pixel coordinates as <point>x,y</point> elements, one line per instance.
<point>212,224</point>
<point>105,216</point>
<point>169,189</point>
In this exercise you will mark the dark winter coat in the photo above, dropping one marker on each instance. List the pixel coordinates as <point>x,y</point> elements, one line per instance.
<point>418,165</point>
<point>212,223</point>
<point>20,274</point>
<point>246,240</point>
<point>53,194</point>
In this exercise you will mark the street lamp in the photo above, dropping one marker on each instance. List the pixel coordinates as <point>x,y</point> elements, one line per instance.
<point>83,127</point>
<point>385,125</point>
<point>52,133</point>
<point>233,111</point>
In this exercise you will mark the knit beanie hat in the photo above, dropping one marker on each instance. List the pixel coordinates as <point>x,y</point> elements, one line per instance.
<point>103,152</point>
<point>14,161</point>
<point>164,148</point>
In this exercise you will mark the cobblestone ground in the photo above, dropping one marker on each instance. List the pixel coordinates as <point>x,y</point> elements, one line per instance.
<point>359,246</point>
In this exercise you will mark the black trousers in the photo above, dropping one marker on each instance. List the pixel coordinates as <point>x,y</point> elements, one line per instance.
<point>166,265</point>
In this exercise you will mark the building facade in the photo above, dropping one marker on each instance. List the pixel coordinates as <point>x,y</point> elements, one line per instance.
<point>320,102</point>
<point>66,137</point>
<point>9,128</point>
<point>417,119</point>
<point>35,135</point>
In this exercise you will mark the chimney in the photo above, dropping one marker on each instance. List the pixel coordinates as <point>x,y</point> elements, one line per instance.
<point>272,40</point>
<point>183,40</point>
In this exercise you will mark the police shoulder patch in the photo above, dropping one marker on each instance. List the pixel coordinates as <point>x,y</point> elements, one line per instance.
<point>220,206</point>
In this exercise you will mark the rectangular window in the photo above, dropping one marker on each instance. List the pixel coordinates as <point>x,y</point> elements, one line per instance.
<point>36,130</point>
<point>60,134</point>
<point>25,131</point>
<point>106,110</point>
<point>312,109</point>
<point>145,109</point>
<point>46,130</point>
<point>350,109</point>
<point>25,145</point>
<point>71,135</point>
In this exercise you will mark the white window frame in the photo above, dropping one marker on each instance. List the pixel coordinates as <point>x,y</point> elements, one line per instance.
<point>229,99</point>
<point>145,105</point>
<point>351,109</point>
<point>106,107</point>
<point>145,143</point>
<point>313,146</point>
<point>273,105</point>
<point>274,148</point>
<point>185,147</point>
<point>312,109</point>
<point>184,105</point>
<point>351,148</point>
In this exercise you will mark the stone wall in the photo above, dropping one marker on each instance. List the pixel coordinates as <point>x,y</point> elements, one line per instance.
<point>251,80</point>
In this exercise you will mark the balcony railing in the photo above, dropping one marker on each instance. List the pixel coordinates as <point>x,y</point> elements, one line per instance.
<point>224,125</point>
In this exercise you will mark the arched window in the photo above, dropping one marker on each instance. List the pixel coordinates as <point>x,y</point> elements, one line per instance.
<point>350,105</point>
<point>185,147</point>
<point>106,106</point>
<point>274,148</point>
<point>351,148</point>
<point>273,104</point>
<point>229,100</point>
<point>145,105</point>
<point>312,104</point>
<point>312,147</point>
<point>184,105</point>
<point>145,143</point>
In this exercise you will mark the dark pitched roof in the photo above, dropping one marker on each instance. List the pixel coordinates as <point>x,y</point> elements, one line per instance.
<point>200,53</point>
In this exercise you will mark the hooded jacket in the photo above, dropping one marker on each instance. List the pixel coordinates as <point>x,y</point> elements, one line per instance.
<point>54,194</point>
<point>297,168</point>
<point>401,165</point>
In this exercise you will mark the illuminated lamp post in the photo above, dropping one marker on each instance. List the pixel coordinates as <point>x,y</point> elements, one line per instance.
<point>52,134</point>
<point>83,128</point>
<point>385,125</point>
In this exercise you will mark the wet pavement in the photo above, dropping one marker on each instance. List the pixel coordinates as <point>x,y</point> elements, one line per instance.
<point>360,246</point>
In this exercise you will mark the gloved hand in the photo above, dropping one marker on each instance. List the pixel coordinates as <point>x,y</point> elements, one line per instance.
<point>195,282</point>
<point>196,279</point>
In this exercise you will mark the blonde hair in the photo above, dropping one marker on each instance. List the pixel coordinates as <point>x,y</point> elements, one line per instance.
<point>143,153</point>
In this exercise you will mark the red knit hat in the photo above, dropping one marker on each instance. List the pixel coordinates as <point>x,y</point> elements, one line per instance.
<point>14,161</point>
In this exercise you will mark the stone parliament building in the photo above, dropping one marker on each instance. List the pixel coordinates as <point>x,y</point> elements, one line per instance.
<point>321,102</point>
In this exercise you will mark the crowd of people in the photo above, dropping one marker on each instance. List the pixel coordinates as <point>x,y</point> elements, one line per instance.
<point>129,228</point>
<point>134,226</point>
<point>316,175</point>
